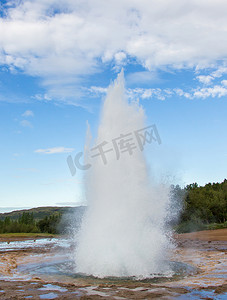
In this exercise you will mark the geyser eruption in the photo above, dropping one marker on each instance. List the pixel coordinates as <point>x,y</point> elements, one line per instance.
<point>124,231</point>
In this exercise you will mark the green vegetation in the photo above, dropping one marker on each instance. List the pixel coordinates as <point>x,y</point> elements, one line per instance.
<point>196,207</point>
<point>50,220</point>
<point>50,224</point>
<point>26,223</point>
<point>39,213</point>
<point>203,207</point>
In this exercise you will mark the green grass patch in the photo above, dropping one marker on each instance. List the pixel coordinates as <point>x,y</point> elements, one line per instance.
<point>216,226</point>
<point>189,226</point>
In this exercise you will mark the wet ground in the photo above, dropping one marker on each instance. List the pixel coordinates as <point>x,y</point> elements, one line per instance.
<point>40,269</point>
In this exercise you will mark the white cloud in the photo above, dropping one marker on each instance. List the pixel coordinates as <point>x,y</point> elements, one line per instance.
<point>44,97</point>
<point>120,59</point>
<point>218,90</point>
<point>224,82</point>
<point>142,77</point>
<point>219,72</point>
<point>28,113</point>
<point>206,79</point>
<point>141,93</point>
<point>26,123</point>
<point>63,41</point>
<point>97,90</point>
<point>215,91</point>
<point>182,93</point>
<point>146,93</point>
<point>54,150</point>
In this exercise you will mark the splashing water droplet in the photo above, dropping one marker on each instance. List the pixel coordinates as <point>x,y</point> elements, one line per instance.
<point>124,231</point>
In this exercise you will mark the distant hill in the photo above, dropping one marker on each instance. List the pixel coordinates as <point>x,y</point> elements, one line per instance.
<point>42,212</point>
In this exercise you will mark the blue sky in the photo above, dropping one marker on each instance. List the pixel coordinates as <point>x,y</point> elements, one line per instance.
<point>57,59</point>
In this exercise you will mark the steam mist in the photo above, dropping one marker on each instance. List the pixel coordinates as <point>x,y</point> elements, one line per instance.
<point>124,231</point>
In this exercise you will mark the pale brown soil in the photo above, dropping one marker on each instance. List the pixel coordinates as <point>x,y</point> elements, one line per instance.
<point>206,235</point>
<point>205,250</point>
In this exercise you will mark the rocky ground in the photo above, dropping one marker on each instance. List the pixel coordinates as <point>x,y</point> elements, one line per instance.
<point>206,251</point>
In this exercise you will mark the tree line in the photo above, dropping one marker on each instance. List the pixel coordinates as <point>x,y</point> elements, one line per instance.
<point>202,207</point>
<point>196,208</point>
<point>27,224</point>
